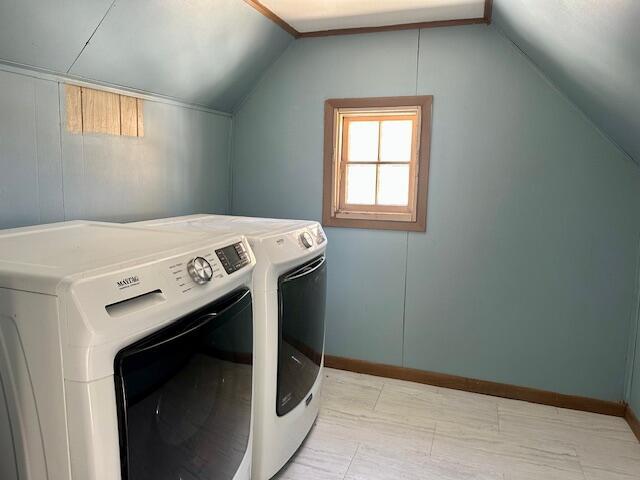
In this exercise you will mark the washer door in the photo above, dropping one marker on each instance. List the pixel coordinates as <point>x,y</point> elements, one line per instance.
<point>184,395</point>
<point>301,305</point>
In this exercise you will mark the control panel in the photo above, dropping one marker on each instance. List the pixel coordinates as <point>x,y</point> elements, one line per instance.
<point>200,270</point>
<point>208,267</point>
<point>312,237</point>
<point>320,238</point>
<point>233,257</point>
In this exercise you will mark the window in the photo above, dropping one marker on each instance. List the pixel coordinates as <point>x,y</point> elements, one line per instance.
<point>376,162</point>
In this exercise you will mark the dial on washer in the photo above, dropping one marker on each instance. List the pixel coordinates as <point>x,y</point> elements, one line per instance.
<point>200,270</point>
<point>307,241</point>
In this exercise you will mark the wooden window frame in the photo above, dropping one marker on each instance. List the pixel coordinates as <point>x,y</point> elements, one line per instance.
<point>335,211</point>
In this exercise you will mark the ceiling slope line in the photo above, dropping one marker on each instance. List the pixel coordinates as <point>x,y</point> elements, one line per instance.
<point>91,36</point>
<point>238,106</point>
<point>71,79</point>
<point>273,17</point>
<point>485,19</point>
<point>567,98</point>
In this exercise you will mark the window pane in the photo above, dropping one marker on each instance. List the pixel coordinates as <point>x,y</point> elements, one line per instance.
<point>394,185</point>
<point>395,145</point>
<point>361,185</point>
<point>363,141</point>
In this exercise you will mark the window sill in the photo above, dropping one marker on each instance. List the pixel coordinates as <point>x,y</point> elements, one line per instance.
<point>342,220</point>
<point>365,215</point>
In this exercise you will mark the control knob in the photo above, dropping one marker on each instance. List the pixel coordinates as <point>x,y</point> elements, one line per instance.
<point>200,270</point>
<point>306,240</point>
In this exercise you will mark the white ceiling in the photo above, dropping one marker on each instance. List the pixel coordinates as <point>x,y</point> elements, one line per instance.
<point>314,15</point>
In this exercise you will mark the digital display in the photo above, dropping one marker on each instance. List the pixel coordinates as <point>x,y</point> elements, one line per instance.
<point>233,257</point>
<point>231,254</point>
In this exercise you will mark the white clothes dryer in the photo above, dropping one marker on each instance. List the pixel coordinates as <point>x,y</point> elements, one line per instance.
<point>289,287</point>
<point>125,353</point>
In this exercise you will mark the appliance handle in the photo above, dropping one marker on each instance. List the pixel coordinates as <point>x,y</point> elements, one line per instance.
<point>305,269</point>
<point>194,325</point>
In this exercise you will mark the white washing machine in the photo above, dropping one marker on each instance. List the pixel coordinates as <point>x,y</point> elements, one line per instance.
<point>125,353</point>
<point>289,287</point>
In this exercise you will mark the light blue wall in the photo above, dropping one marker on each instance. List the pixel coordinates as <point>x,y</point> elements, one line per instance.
<point>526,272</point>
<point>30,160</point>
<point>528,266</point>
<point>180,166</point>
<point>277,171</point>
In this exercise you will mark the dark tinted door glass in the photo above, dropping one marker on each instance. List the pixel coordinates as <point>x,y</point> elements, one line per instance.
<point>301,297</point>
<point>184,395</point>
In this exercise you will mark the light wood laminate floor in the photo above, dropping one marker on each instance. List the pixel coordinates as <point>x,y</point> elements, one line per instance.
<point>372,428</point>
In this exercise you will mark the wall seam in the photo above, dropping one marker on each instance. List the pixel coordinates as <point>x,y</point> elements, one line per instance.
<point>35,145</point>
<point>406,246</point>
<point>632,345</point>
<point>633,356</point>
<point>230,163</point>
<point>91,36</point>
<point>60,127</point>
<point>418,60</point>
<point>404,293</point>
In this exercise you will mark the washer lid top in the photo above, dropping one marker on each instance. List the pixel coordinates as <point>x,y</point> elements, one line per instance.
<point>251,227</point>
<point>37,258</point>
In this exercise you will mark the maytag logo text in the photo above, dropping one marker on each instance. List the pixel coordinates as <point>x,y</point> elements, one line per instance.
<point>128,282</point>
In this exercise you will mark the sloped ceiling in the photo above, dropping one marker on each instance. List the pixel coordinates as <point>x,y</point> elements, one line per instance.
<point>591,50</point>
<point>48,34</point>
<point>206,52</point>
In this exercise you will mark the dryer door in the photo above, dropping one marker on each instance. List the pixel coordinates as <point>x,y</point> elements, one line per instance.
<point>301,305</point>
<point>184,395</point>
<point>8,467</point>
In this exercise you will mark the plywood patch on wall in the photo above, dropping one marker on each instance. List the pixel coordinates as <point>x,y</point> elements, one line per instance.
<point>74,108</point>
<point>100,112</point>
<point>139,104</point>
<point>96,111</point>
<point>128,116</point>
